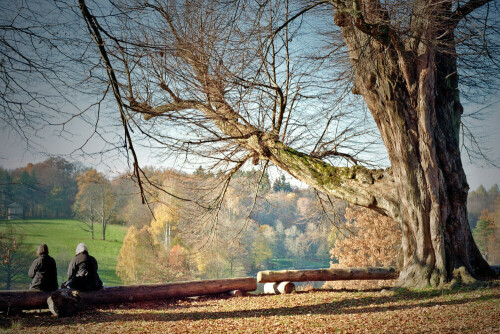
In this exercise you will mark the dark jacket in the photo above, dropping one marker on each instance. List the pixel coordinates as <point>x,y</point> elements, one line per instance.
<point>43,271</point>
<point>82,273</point>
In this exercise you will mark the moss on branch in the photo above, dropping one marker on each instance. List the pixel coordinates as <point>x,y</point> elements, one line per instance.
<point>318,171</point>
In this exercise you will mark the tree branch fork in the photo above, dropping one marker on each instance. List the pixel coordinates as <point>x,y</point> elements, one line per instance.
<point>357,184</point>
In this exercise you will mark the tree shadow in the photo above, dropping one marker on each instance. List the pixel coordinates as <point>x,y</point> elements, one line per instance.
<point>363,305</point>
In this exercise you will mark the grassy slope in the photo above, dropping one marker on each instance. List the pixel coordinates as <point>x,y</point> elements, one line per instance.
<point>62,236</point>
<point>475,311</point>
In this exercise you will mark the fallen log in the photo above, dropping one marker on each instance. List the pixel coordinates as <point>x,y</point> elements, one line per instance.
<point>279,288</point>
<point>131,293</point>
<point>332,274</point>
<point>23,299</point>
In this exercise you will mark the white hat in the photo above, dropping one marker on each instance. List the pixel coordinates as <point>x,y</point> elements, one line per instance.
<point>81,247</point>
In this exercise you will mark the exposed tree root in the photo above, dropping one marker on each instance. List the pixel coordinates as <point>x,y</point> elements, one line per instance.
<point>462,278</point>
<point>421,277</point>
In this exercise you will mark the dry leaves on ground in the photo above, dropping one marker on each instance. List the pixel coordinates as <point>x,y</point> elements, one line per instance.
<point>319,311</point>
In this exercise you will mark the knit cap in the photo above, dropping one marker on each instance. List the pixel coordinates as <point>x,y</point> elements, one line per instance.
<point>81,247</point>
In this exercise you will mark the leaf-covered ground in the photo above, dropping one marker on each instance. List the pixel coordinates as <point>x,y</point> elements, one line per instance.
<point>466,311</point>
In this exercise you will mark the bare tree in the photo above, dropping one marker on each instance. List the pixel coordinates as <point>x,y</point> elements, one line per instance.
<point>229,77</point>
<point>49,82</point>
<point>95,201</point>
<point>227,83</point>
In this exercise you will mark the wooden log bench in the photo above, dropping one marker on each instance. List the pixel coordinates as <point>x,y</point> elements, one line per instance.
<point>331,274</point>
<point>276,281</point>
<point>29,299</point>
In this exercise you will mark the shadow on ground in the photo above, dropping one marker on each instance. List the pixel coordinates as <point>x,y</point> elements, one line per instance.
<point>144,311</point>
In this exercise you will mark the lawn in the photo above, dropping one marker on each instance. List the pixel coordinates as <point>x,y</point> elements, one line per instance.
<point>62,236</point>
<point>403,311</point>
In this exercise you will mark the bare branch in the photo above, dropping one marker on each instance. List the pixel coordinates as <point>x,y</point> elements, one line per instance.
<point>462,11</point>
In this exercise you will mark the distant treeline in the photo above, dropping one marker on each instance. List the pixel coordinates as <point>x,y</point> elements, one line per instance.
<point>480,200</point>
<point>46,189</point>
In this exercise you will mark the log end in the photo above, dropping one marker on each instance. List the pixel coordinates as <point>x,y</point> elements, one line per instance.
<point>279,288</point>
<point>65,303</point>
<point>286,287</point>
<point>236,293</point>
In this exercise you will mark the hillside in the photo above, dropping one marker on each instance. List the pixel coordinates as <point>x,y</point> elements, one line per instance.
<point>62,236</point>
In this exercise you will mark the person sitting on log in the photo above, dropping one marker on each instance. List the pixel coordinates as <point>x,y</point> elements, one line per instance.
<point>82,271</point>
<point>43,271</point>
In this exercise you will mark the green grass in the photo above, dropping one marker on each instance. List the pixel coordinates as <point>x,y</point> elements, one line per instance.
<point>297,263</point>
<point>62,236</point>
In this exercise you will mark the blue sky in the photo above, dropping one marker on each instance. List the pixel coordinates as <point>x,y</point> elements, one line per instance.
<point>15,153</point>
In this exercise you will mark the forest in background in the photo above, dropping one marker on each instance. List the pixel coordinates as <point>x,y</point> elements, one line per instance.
<point>258,224</point>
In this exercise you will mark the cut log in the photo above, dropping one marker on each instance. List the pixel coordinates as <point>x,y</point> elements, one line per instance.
<point>65,303</point>
<point>279,288</point>
<point>235,293</point>
<point>332,274</point>
<point>131,293</point>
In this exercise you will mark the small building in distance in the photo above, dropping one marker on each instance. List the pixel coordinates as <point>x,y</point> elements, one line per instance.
<point>14,211</point>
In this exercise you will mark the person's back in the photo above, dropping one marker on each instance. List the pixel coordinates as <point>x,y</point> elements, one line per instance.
<point>82,271</point>
<point>43,271</point>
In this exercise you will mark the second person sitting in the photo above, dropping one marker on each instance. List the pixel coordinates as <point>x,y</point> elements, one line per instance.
<point>82,271</point>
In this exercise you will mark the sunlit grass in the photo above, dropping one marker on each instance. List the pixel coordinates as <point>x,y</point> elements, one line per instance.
<point>62,236</point>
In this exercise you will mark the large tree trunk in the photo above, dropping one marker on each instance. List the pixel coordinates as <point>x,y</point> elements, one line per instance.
<point>412,93</point>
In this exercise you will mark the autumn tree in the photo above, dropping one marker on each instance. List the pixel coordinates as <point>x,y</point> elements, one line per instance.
<point>130,210</point>
<point>143,260</point>
<point>95,201</point>
<point>479,200</point>
<point>128,261</point>
<point>484,233</point>
<point>371,240</point>
<point>45,189</point>
<point>57,186</point>
<point>262,247</point>
<point>494,250</point>
<point>15,257</point>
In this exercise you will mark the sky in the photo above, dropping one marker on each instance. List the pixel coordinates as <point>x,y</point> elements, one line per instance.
<point>14,151</point>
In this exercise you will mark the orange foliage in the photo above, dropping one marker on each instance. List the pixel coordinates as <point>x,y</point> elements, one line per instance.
<point>142,260</point>
<point>374,240</point>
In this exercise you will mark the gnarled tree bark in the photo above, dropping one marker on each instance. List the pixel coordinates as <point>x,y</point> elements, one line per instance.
<point>412,92</point>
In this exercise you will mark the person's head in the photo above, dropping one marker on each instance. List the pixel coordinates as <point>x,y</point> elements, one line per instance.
<point>42,249</point>
<point>81,248</point>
